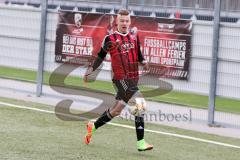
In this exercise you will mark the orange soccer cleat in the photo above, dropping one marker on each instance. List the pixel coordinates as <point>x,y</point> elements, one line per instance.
<point>90,130</point>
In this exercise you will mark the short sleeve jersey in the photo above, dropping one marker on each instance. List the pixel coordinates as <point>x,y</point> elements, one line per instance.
<point>125,53</point>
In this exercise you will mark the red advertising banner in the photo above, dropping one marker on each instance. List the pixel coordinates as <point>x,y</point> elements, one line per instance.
<point>165,43</point>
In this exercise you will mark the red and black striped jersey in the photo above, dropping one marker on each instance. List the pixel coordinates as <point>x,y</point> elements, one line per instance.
<point>125,53</point>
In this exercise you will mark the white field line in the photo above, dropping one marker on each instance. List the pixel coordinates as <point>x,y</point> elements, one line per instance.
<point>131,127</point>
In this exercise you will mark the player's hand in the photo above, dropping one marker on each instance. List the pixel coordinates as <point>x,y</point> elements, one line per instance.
<point>88,72</point>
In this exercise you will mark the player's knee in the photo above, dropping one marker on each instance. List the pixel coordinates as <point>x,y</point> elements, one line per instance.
<point>115,113</point>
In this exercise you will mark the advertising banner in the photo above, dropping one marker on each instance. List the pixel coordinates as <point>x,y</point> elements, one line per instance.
<point>165,43</point>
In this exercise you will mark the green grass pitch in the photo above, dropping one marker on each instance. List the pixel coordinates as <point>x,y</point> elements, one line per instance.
<point>28,135</point>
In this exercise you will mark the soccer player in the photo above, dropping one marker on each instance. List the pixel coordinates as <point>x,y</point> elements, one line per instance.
<point>124,48</point>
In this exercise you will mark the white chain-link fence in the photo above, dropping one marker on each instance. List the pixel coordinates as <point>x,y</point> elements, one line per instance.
<point>20,28</point>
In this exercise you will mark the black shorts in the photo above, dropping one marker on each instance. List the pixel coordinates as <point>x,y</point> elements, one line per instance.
<point>125,89</point>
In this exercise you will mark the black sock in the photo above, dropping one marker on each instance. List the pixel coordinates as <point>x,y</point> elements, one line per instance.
<point>103,119</point>
<point>139,124</point>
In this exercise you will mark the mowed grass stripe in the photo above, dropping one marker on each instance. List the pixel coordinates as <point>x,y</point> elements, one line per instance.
<point>131,127</point>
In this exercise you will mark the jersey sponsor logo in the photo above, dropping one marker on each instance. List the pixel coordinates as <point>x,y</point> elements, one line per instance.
<point>127,46</point>
<point>110,46</point>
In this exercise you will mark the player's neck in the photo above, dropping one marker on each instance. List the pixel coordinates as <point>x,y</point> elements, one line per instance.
<point>122,33</point>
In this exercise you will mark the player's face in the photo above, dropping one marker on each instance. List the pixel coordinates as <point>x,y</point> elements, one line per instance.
<point>123,22</point>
